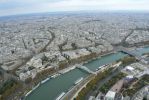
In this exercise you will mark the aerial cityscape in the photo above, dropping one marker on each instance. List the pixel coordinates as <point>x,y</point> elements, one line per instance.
<point>74,55</point>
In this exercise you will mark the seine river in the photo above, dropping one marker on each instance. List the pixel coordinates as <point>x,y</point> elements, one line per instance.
<point>51,89</point>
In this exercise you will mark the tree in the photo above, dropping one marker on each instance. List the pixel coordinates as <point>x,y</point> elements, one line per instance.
<point>128,60</point>
<point>74,46</point>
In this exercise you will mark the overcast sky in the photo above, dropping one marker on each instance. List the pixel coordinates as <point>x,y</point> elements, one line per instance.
<point>12,7</point>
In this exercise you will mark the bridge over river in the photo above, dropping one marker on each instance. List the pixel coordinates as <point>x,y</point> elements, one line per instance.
<point>85,69</point>
<point>131,53</point>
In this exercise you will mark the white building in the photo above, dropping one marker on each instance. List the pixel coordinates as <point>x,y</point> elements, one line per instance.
<point>91,98</point>
<point>110,95</point>
<point>129,77</point>
<point>129,68</point>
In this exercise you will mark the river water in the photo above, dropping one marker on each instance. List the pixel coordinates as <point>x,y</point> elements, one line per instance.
<point>94,64</point>
<point>54,87</point>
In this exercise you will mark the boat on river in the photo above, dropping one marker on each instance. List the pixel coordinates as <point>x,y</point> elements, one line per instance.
<point>36,86</point>
<point>45,80</point>
<point>78,80</point>
<point>60,96</point>
<point>28,93</point>
<point>55,75</point>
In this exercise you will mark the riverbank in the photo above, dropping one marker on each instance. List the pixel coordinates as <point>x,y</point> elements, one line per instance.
<point>66,70</point>
<point>71,67</point>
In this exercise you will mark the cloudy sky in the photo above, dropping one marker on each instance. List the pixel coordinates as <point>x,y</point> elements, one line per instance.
<point>13,7</point>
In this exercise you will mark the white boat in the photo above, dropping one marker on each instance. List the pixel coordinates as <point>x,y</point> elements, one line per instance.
<point>36,87</point>
<point>60,96</point>
<point>101,66</point>
<point>66,70</point>
<point>78,80</point>
<point>54,76</point>
<point>28,93</point>
<point>45,80</point>
<point>72,68</point>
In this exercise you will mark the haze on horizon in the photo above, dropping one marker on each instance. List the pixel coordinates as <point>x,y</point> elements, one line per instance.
<point>14,7</point>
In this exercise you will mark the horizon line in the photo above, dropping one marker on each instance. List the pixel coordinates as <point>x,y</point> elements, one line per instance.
<point>79,11</point>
